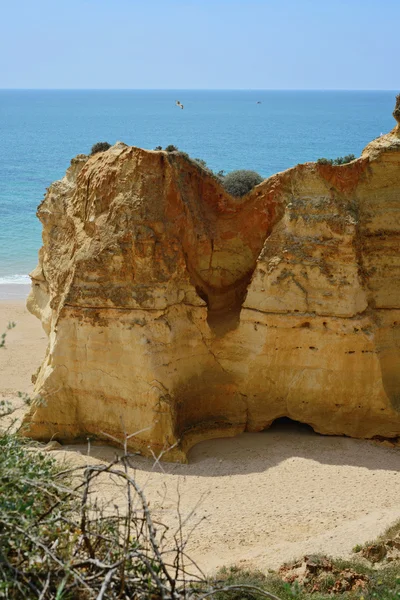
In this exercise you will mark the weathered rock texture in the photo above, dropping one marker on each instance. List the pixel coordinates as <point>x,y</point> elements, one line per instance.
<point>174,308</point>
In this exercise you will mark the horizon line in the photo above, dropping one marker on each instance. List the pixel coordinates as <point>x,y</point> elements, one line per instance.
<point>61,89</point>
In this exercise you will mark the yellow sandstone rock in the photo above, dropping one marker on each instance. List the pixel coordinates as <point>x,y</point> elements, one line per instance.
<point>181,313</point>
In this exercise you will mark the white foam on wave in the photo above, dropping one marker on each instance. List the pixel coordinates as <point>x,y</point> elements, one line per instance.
<point>19,279</point>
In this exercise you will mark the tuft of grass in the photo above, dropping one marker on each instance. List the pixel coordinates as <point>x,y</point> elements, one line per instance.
<point>235,576</point>
<point>390,532</point>
<point>3,336</point>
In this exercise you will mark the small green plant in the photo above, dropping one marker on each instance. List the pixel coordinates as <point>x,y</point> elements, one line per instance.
<point>390,532</point>
<point>158,148</point>
<point>340,160</point>
<point>202,163</point>
<point>197,161</point>
<point>239,183</point>
<point>99,147</point>
<point>6,408</point>
<point>3,336</point>
<point>396,112</point>
<point>343,160</point>
<point>241,584</point>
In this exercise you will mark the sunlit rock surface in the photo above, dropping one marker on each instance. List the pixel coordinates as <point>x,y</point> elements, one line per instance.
<point>181,313</point>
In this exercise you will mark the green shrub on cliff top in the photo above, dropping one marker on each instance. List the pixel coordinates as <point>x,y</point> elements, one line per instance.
<point>99,147</point>
<point>343,160</point>
<point>171,148</point>
<point>340,160</point>
<point>239,183</point>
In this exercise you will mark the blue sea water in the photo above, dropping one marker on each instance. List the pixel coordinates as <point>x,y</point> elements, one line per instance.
<point>41,131</point>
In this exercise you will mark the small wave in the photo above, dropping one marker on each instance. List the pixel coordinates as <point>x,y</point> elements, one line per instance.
<point>15,279</point>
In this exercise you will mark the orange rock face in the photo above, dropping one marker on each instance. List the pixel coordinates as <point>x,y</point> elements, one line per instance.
<point>179,312</point>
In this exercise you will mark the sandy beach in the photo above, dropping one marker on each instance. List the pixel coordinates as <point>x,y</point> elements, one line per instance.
<point>259,499</point>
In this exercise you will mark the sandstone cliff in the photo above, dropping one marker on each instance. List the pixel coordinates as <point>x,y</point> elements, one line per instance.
<point>178,310</point>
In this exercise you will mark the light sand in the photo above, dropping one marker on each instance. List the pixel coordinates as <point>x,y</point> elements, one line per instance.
<point>14,291</point>
<point>25,347</point>
<point>265,498</point>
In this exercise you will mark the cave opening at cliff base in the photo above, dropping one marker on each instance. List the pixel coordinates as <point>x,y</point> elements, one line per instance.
<point>288,435</point>
<point>288,425</point>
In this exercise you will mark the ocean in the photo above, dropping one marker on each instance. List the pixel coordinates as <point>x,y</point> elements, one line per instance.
<point>267,131</point>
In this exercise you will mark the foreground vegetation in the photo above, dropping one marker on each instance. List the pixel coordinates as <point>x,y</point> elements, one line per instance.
<point>57,543</point>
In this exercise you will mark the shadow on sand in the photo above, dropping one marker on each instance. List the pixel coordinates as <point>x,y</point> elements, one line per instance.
<point>258,452</point>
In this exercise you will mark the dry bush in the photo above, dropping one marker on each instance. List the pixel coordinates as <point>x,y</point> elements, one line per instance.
<point>57,543</point>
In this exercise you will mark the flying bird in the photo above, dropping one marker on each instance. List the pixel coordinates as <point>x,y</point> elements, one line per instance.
<point>179,104</point>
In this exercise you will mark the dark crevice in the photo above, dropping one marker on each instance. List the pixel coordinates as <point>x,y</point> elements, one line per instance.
<point>201,294</point>
<point>224,304</point>
<point>287,425</point>
<point>221,284</point>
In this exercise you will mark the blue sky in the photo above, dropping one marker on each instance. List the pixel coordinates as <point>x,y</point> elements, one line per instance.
<point>184,44</point>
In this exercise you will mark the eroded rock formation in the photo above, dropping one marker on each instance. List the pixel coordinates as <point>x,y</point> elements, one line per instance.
<point>176,309</point>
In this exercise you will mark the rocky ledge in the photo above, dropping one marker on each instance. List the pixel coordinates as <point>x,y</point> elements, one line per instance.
<point>179,312</point>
